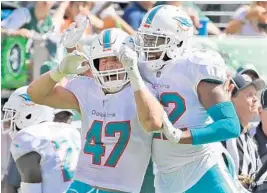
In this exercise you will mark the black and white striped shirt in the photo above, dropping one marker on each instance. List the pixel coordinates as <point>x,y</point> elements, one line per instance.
<point>245,154</point>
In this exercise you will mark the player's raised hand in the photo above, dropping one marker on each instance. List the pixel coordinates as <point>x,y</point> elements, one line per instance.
<point>127,56</point>
<point>71,64</point>
<point>72,35</point>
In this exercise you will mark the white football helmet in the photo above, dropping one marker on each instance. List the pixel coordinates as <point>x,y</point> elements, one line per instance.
<point>20,112</point>
<point>164,34</point>
<point>104,45</point>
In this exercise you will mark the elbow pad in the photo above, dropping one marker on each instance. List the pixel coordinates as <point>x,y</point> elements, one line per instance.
<point>226,125</point>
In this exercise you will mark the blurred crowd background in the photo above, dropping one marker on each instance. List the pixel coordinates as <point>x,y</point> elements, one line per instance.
<point>31,31</point>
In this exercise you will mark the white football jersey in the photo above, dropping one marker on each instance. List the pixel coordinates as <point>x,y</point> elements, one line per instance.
<point>176,85</point>
<point>115,148</point>
<point>59,146</point>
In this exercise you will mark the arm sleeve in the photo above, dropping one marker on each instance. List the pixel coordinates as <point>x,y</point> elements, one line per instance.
<point>226,125</point>
<point>208,66</point>
<point>17,19</point>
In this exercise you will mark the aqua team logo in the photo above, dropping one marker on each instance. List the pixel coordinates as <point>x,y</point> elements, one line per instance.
<point>183,22</point>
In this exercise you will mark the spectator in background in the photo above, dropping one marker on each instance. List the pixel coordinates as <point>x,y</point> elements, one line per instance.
<point>196,15</point>
<point>32,23</point>
<point>135,12</point>
<point>248,69</point>
<point>25,21</point>
<point>243,149</point>
<point>106,11</point>
<point>249,20</point>
<point>7,8</point>
<point>261,129</point>
<point>261,139</point>
<point>76,8</point>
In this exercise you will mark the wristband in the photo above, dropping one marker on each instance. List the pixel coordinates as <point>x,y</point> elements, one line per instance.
<point>173,134</point>
<point>31,187</point>
<point>136,80</point>
<point>56,75</point>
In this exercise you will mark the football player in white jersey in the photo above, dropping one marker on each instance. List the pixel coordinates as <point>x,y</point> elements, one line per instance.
<point>46,153</point>
<point>190,88</point>
<point>115,149</point>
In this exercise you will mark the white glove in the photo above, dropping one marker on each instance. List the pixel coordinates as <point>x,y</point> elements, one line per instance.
<point>173,134</point>
<point>128,58</point>
<point>72,35</point>
<point>71,64</point>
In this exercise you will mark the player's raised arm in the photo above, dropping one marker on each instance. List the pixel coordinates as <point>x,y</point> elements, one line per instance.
<point>150,111</point>
<point>215,98</point>
<point>44,90</point>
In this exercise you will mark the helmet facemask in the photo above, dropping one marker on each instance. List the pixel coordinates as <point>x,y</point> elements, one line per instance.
<point>112,79</point>
<point>8,124</point>
<point>171,28</point>
<point>153,48</point>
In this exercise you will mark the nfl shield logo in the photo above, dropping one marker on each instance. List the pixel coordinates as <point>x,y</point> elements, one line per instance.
<point>158,74</point>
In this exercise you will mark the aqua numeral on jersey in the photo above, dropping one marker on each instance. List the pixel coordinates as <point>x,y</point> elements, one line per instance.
<point>124,129</point>
<point>178,101</point>
<point>95,147</point>
<point>179,109</point>
<point>63,146</point>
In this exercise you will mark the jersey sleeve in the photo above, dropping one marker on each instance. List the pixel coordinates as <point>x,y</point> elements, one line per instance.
<point>81,88</point>
<point>207,65</point>
<point>25,143</point>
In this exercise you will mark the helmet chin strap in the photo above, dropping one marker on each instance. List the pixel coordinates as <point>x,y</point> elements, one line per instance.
<point>160,63</point>
<point>113,90</point>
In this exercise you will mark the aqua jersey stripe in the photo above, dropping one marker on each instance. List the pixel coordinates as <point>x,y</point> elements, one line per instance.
<point>152,14</point>
<point>106,39</point>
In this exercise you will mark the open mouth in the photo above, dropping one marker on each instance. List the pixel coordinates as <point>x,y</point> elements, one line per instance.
<point>111,77</point>
<point>152,57</point>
